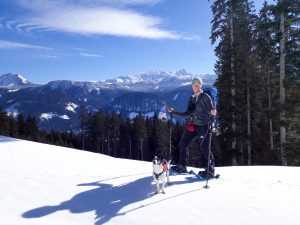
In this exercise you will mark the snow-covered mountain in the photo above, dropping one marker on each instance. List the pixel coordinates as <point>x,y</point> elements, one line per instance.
<point>157,80</point>
<point>128,95</point>
<point>50,185</point>
<point>13,81</point>
<point>145,82</point>
<point>134,103</point>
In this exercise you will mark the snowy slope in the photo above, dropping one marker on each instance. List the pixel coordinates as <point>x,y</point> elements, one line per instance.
<point>49,185</point>
<point>13,81</point>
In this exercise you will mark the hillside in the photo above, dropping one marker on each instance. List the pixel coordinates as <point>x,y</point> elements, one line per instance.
<point>48,185</point>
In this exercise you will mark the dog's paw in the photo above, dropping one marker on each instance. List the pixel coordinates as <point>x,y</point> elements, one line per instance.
<point>163,192</point>
<point>156,192</point>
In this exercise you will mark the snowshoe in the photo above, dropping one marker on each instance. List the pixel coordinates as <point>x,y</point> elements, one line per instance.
<point>178,169</point>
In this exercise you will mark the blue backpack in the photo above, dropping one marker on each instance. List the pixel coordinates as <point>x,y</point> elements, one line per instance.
<point>213,93</point>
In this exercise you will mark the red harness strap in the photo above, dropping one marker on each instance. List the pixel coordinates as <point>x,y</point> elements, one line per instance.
<point>165,167</point>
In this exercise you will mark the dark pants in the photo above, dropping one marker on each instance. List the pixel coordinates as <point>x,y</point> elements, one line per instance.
<point>202,135</point>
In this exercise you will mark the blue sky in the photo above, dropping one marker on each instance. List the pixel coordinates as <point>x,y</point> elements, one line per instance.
<point>95,40</point>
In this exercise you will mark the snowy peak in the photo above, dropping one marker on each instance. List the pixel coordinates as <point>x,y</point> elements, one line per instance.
<point>10,80</point>
<point>146,82</point>
<point>68,84</point>
<point>157,80</point>
<point>153,77</point>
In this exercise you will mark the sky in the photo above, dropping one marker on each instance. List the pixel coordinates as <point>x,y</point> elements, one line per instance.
<point>95,40</point>
<point>64,186</point>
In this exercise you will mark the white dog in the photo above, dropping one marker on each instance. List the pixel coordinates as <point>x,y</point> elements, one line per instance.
<point>161,173</point>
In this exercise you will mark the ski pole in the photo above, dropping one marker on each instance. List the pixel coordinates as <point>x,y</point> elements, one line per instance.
<point>170,129</point>
<point>209,153</point>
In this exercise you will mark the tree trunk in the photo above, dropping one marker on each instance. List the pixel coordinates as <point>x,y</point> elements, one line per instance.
<point>83,146</point>
<point>102,146</point>
<point>249,144</point>
<point>233,125</point>
<point>115,147</point>
<point>142,155</point>
<point>130,151</point>
<point>170,141</point>
<point>108,146</point>
<point>270,108</point>
<point>282,90</point>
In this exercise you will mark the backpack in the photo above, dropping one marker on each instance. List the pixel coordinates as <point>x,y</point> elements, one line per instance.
<point>213,93</point>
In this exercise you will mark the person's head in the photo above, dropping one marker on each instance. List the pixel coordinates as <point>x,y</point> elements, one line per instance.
<point>197,85</point>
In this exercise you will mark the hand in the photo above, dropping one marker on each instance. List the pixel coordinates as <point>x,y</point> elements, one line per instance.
<point>170,110</point>
<point>213,112</point>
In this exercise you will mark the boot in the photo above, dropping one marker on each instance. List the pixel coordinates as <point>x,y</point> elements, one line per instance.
<point>179,169</point>
<point>203,173</point>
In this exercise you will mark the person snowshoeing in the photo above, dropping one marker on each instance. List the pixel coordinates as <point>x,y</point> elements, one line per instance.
<point>200,109</point>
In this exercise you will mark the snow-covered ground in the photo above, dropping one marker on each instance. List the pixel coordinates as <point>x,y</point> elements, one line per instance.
<point>49,185</point>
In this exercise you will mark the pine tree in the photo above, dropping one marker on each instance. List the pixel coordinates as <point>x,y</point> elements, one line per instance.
<point>176,137</point>
<point>96,130</point>
<point>31,128</point>
<point>13,130</point>
<point>232,28</point>
<point>115,122</point>
<point>287,15</point>
<point>246,81</point>
<point>265,125</point>
<point>21,125</point>
<point>83,118</point>
<point>4,123</point>
<point>140,133</point>
<point>163,136</point>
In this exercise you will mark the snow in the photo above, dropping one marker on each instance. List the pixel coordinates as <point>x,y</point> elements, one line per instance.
<point>71,107</point>
<point>13,114</point>
<point>176,96</point>
<point>24,80</point>
<point>149,114</point>
<point>47,116</point>
<point>162,116</point>
<point>64,117</point>
<point>186,83</point>
<point>156,80</point>
<point>13,109</point>
<point>118,80</point>
<point>50,115</point>
<point>10,80</point>
<point>49,185</point>
<point>132,115</point>
<point>13,90</point>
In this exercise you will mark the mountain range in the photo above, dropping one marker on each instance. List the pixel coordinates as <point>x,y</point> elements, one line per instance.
<point>56,104</point>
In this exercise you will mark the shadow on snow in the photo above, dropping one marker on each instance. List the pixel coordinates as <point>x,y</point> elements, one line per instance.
<point>7,139</point>
<point>107,200</point>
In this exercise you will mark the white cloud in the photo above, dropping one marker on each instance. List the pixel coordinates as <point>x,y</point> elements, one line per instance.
<point>52,56</point>
<point>10,25</point>
<point>137,2</point>
<point>90,55</point>
<point>115,2</point>
<point>76,18</point>
<point>59,53</point>
<point>16,45</point>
